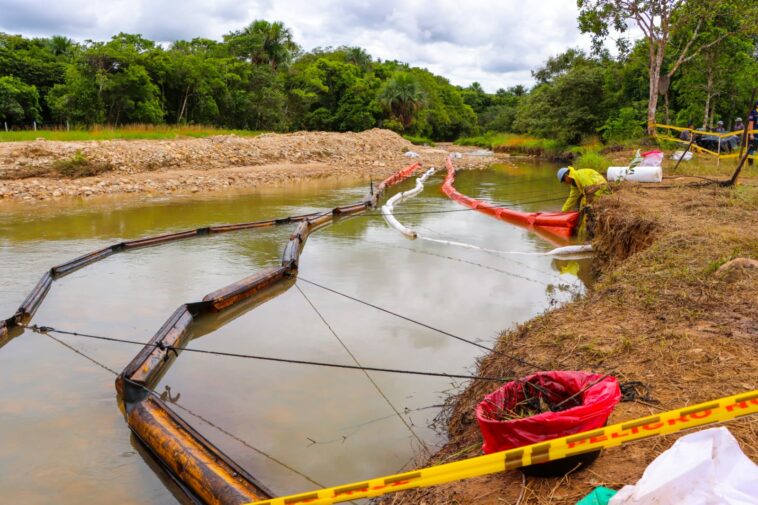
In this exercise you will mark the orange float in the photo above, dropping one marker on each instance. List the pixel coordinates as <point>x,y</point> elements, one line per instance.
<point>555,226</point>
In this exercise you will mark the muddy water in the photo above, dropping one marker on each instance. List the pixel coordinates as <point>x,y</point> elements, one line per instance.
<point>62,436</point>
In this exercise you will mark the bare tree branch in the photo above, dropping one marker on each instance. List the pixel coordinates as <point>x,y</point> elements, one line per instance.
<point>684,51</point>
<point>698,51</point>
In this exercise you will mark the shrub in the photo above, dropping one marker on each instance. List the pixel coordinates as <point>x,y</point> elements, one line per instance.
<point>79,165</point>
<point>623,126</point>
<point>593,160</point>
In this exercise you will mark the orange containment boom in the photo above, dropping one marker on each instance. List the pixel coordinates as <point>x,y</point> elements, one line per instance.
<point>556,224</point>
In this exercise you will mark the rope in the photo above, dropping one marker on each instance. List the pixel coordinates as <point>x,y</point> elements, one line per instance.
<point>452,258</point>
<point>48,329</point>
<point>178,405</point>
<point>373,382</point>
<point>424,325</point>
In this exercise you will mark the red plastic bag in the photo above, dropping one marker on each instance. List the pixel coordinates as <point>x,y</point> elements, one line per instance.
<point>596,404</point>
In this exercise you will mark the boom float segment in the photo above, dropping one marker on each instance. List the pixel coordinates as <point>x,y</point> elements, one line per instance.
<point>199,467</point>
<point>556,224</point>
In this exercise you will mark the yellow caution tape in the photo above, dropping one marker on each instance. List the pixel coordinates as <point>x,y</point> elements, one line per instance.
<point>723,409</point>
<point>735,133</point>
<point>696,147</point>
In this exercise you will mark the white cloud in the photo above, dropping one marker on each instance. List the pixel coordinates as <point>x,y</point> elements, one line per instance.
<point>494,43</point>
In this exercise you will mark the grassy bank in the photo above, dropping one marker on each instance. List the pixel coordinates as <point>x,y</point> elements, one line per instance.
<point>514,143</point>
<point>132,132</point>
<point>669,310</point>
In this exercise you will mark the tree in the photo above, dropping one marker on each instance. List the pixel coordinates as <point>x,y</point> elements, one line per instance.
<point>660,21</point>
<point>403,98</point>
<point>19,102</point>
<point>263,43</point>
<point>571,103</point>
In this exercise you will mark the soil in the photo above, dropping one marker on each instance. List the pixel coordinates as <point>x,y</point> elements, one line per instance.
<point>675,307</point>
<point>44,170</point>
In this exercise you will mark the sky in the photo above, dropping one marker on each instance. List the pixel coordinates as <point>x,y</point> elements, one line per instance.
<point>494,42</point>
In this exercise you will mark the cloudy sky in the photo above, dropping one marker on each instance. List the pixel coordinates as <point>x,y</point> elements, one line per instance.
<point>494,42</point>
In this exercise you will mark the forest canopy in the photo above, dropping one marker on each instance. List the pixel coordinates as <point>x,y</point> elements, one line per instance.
<point>258,78</point>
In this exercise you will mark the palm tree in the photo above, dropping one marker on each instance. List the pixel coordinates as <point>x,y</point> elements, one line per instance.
<point>60,45</point>
<point>402,97</point>
<point>263,43</point>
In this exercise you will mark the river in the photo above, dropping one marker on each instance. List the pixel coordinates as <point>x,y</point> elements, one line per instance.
<point>62,436</point>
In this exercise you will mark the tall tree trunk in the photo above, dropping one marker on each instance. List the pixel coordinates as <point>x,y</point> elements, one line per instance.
<point>656,62</point>
<point>666,102</point>
<point>708,95</point>
<point>184,105</point>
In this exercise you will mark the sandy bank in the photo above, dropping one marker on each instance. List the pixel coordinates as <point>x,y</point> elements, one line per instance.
<point>29,171</point>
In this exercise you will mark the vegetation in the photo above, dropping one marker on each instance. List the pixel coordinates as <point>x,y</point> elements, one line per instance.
<point>134,131</point>
<point>697,56</point>
<point>515,143</point>
<point>79,165</point>
<point>255,79</point>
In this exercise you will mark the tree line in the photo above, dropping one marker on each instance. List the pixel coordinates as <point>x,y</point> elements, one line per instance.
<point>696,60</point>
<point>256,78</point>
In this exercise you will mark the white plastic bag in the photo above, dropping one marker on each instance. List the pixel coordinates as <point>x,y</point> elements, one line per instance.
<point>652,159</point>
<point>704,468</point>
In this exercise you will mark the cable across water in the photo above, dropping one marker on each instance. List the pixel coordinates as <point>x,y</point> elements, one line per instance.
<point>49,329</point>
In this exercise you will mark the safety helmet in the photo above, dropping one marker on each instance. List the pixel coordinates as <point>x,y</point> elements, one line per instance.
<point>562,173</point>
<point>719,122</point>
<point>738,120</point>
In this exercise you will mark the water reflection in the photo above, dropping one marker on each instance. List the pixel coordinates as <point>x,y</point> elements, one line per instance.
<point>300,416</point>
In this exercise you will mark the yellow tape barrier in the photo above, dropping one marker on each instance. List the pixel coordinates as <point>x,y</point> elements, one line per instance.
<point>723,409</point>
<point>736,133</point>
<point>722,155</point>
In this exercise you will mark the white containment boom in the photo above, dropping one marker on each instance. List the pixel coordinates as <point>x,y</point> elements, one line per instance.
<point>389,207</point>
<point>638,174</point>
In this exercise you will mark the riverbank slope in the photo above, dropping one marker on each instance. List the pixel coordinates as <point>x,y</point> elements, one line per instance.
<point>676,307</point>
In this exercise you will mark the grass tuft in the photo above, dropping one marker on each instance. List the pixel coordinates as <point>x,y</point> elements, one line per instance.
<point>79,165</point>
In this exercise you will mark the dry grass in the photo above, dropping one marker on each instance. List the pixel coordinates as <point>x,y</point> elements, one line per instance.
<point>662,313</point>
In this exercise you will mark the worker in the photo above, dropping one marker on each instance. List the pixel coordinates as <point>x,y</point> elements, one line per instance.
<point>586,186</point>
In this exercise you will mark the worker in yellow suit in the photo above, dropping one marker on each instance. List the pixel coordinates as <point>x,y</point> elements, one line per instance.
<point>586,186</point>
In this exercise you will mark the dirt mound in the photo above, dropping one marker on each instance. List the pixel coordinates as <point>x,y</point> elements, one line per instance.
<point>42,170</point>
<point>18,160</point>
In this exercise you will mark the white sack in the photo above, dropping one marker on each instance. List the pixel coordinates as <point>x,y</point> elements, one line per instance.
<point>639,174</point>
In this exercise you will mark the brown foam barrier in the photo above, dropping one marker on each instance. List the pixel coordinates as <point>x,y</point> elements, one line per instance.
<point>199,467</point>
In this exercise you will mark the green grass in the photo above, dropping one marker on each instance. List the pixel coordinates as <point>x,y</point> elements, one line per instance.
<point>593,160</point>
<point>79,165</point>
<point>132,132</point>
<point>419,141</point>
<point>514,143</point>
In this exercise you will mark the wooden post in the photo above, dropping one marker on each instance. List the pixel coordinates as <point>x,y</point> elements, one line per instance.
<point>6,126</point>
<point>34,124</point>
<point>67,126</point>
